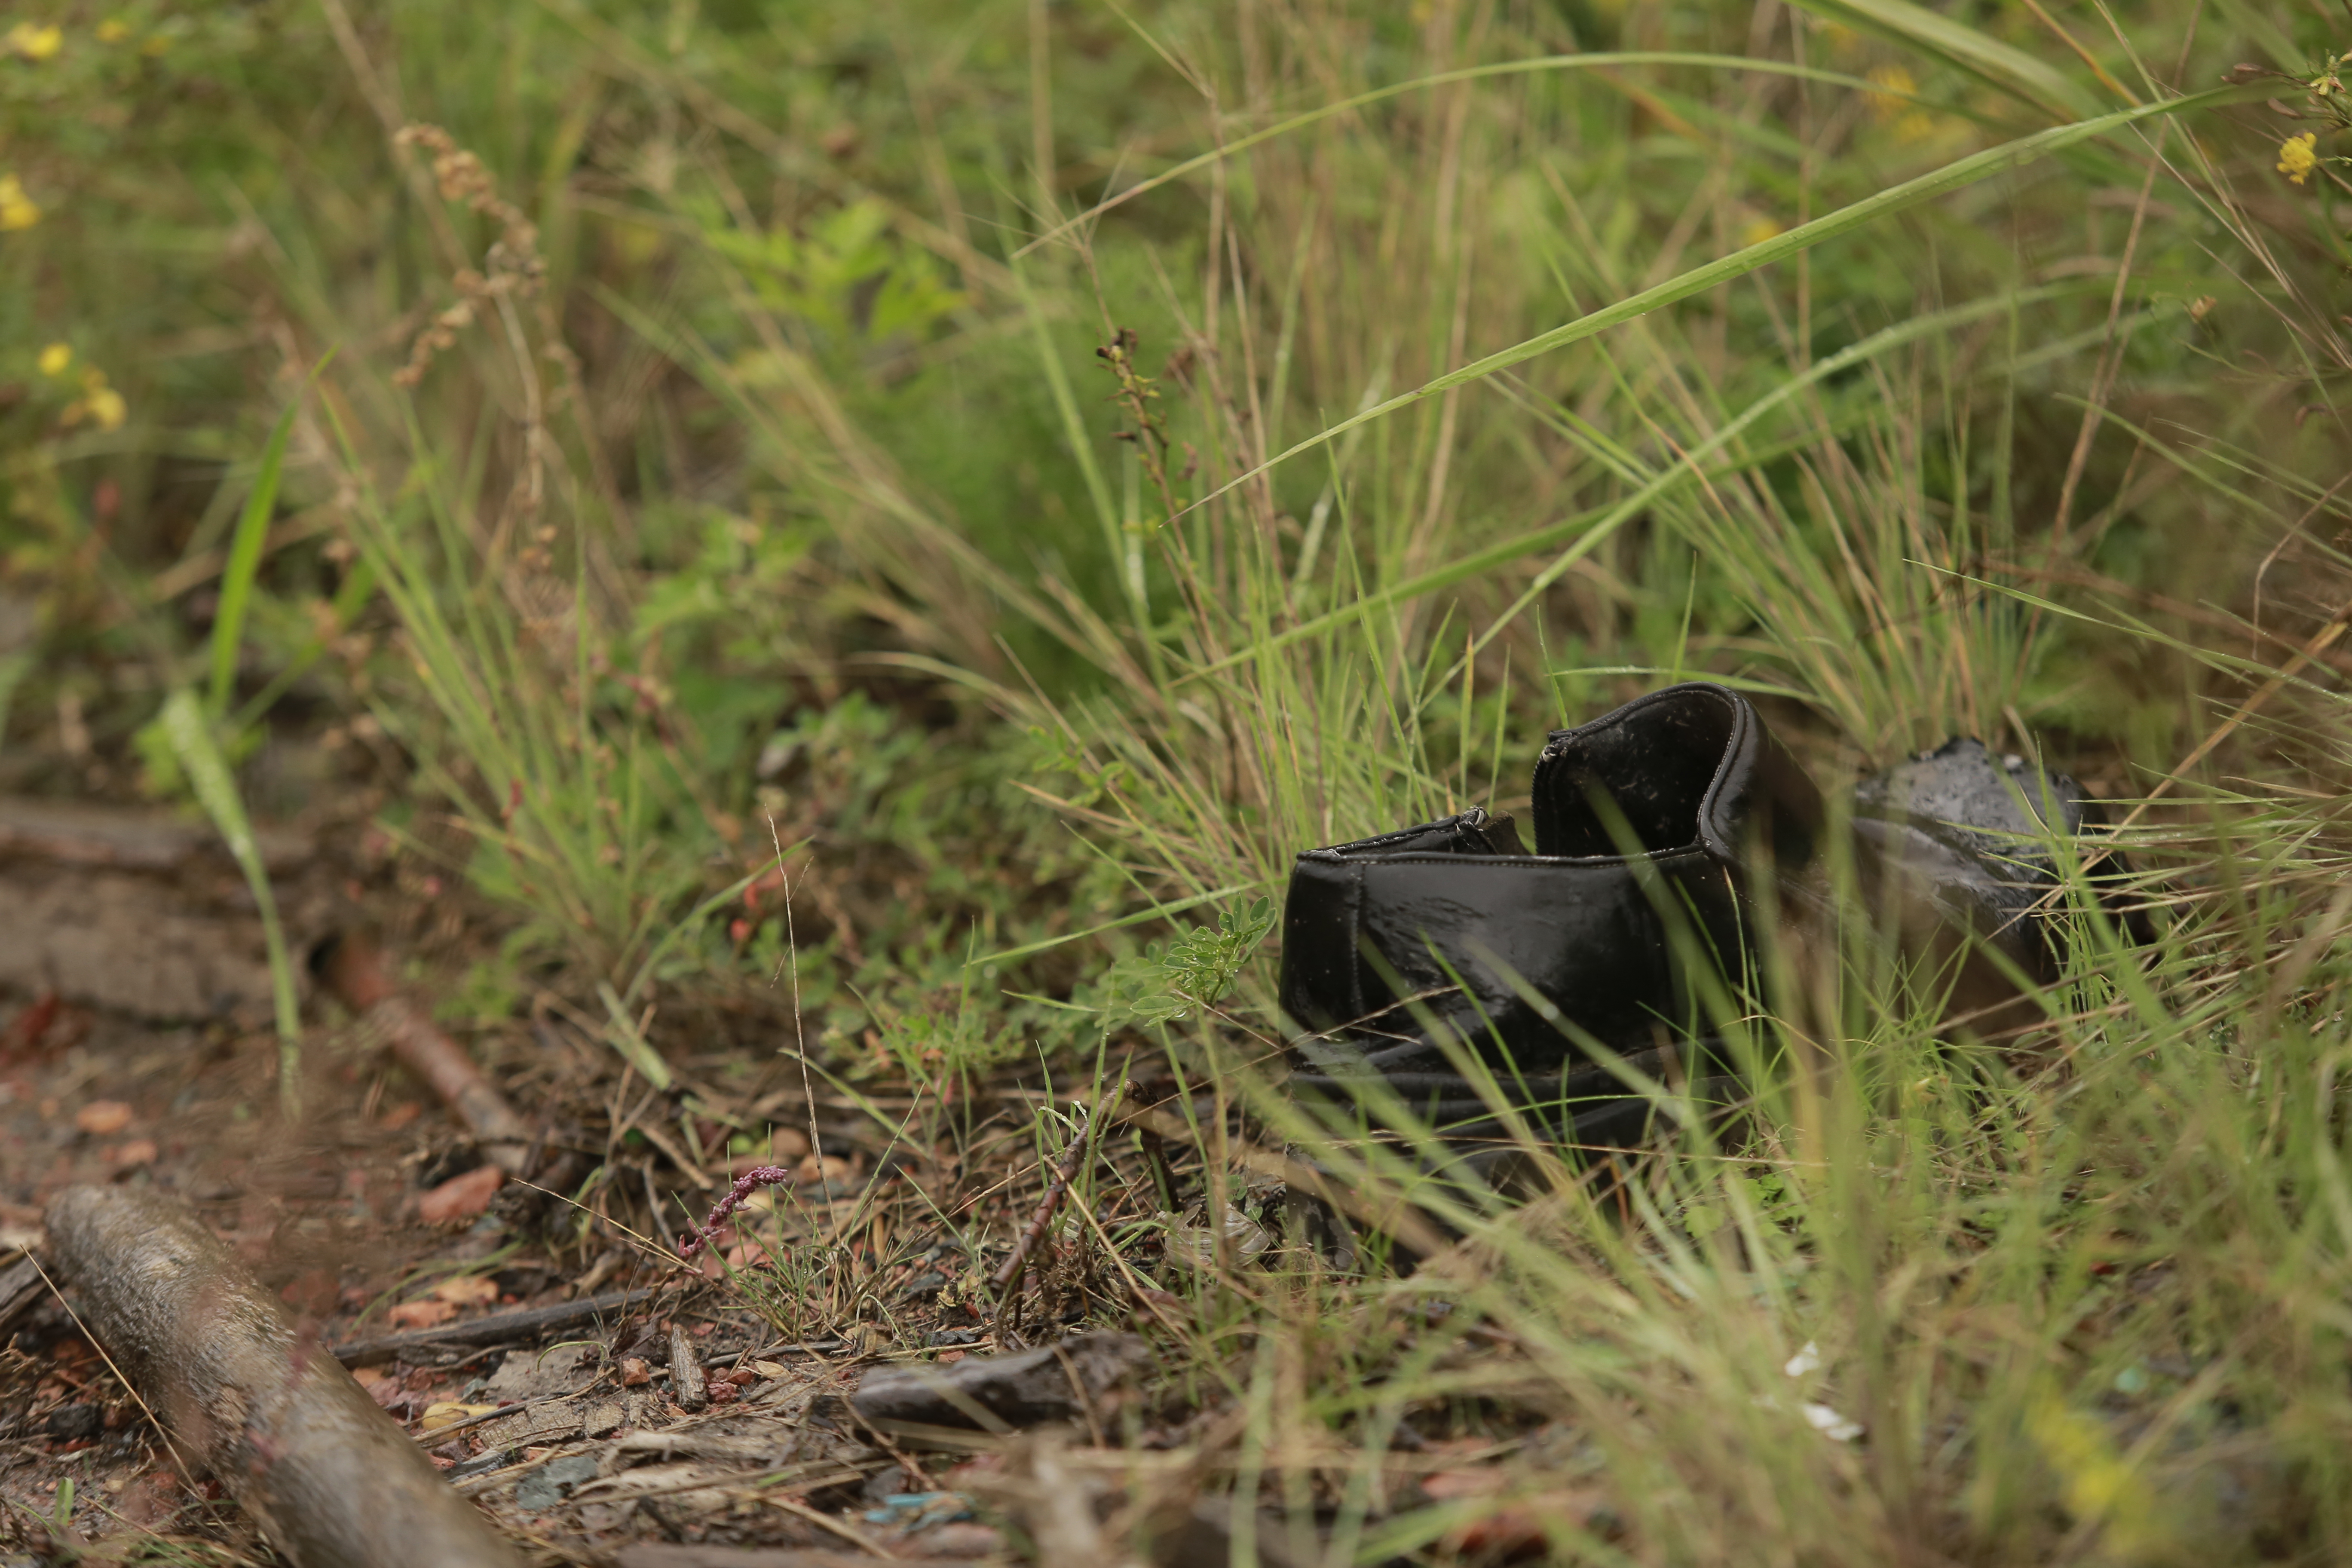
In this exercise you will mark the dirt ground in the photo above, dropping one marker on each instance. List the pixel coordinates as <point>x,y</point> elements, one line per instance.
<point>138,1052</point>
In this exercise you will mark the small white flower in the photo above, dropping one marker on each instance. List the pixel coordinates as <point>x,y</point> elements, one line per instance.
<point>1830,1424</point>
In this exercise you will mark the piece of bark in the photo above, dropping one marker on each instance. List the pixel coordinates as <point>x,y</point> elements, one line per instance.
<point>1012,1391</point>
<point>331,1482</point>
<point>352,970</point>
<point>78,833</point>
<point>498,1329</point>
<point>20,1288</point>
<point>701,1443</point>
<point>685,1384</point>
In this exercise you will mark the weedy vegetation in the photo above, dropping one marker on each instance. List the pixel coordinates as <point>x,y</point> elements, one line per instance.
<point>867,535</point>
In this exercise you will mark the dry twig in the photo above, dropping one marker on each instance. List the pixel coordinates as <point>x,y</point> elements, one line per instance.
<point>1009,1276</point>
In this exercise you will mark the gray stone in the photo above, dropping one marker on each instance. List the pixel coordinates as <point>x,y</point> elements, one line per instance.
<point>1021,1389</point>
<point>547,1485</point>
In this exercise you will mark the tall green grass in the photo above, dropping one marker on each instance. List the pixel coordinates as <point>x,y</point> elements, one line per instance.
<point>1916,371</point>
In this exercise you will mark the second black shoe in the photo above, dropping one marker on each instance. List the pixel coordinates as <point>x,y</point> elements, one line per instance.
<point>1647,824</point>
<point>1953,848</point>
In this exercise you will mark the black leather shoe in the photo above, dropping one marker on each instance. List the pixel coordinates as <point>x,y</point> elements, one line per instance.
<point>1954,853</point>
<point>1662,806</point>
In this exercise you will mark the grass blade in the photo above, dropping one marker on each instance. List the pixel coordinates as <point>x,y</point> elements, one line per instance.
<point>1588,529</point>
<point>190,732</point>
<point>245,561</point>
<point>1241,144</point>
<point>1964,48</point>
<point>1953,176</point>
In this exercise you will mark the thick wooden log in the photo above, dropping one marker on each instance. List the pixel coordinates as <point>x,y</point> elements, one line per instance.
<point>330,1479</point>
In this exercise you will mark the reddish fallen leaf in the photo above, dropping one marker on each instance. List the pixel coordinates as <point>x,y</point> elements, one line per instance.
<point>746,1255</point>
<point>466,1290</point>
<point>832,1168</point>
<point>461,1197</point>
<point>1514,1531</point>
<point>138,1152</point>
<point>314,1293</point>
<point>401,1115</point>
<point>786,1144</point>
<point>1448,1485</point>
<point>25,1034</point>
<point>102,1118</point>
<point>740,1375</point>
<point>426,1314</point>
<point>962,1476</point>
<point>151,1501</point>
<point>634,1373</point>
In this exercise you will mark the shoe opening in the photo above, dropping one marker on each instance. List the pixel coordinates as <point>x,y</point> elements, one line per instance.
<point>1654,761</point>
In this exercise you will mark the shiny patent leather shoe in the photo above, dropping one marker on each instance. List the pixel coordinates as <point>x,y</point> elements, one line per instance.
<point>1954,850</point>
<point>1648,824</point>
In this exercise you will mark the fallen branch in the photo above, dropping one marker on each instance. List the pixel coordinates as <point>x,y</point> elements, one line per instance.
<point>687,1384</point>
<point>498,1329</point>
<point>78,833</point>
<point>1064,1174</point>
<point>352,969</point>
<point>331,1482</point>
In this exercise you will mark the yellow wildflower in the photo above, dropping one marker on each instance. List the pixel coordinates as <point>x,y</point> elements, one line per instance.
<point>56,358</point>
<point>1755,231</point>
<point>17,210</point>
<point>99,403</point>
<point>1892,104</point>
<point>2297,157</point>
<point>2101,1485</point>
<point>35,43</point>
<point>156,45</point>
<point>113,30</point>
<point>1895,86</point>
